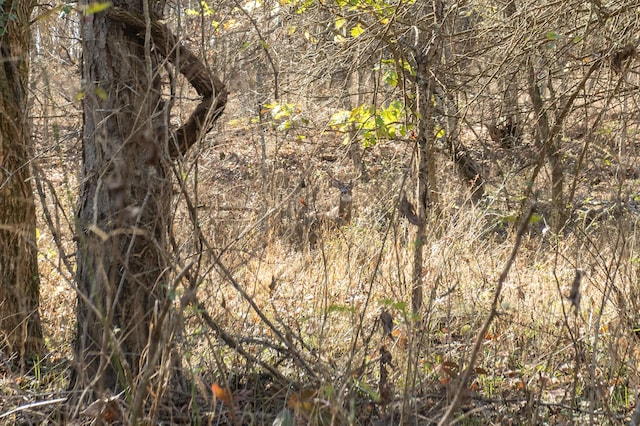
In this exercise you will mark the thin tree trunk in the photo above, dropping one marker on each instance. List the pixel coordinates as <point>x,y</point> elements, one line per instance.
<point>557,186</point>
<point>427,58</point>
<point>425,173</point>
<point>20,328</point>
<point>546,139</point>
<point>510,107</point>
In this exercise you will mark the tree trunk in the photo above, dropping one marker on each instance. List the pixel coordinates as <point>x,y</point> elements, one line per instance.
<point>425,173</point>
<point>558,216</point>
<point>427,58</point>
<point>123,210</point>
<point>123,274</point>
<point>20,329</point>
<point>549,143</point>
<point>510,109</point>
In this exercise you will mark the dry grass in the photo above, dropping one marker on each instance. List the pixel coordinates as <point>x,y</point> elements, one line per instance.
<point>539,363</point>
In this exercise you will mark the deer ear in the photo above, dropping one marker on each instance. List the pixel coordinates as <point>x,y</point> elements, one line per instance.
<point>336,183</point>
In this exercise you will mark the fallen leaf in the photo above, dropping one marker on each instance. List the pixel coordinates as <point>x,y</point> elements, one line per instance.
<point>302,401</point>
<point>223,394</point>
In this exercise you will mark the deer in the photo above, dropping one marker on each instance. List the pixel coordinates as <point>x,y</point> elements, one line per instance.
<point>312,223</point>
<point>341,214</point>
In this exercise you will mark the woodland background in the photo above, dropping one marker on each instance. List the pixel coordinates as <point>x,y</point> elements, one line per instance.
<point>409,212</point>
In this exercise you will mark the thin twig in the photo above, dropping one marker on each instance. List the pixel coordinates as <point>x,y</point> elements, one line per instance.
<point>32,405</point>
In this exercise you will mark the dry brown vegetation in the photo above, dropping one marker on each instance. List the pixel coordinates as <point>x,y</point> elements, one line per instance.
<point>295,320</point>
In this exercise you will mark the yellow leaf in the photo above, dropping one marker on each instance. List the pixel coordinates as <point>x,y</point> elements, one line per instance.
<point>340,23</point>
<point>357,30</point>
<point>229,24</point>
<point>310,38</point>
<point>96,7</point>
<point>101,93</point>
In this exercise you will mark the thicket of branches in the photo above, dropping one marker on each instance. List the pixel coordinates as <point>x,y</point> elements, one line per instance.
<point>409,211</point>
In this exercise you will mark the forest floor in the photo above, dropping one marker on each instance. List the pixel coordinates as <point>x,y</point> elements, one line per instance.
<point>334,318</point>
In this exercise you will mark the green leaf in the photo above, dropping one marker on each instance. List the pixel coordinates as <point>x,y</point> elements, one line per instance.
<point>54,11</point>
<point>400,306</point>
<point>340,309</point>
<point>390,77</point>
<point>284,418</point>
<point>510,218</point>
<point>535,218</point>
<point>369,390</point>
<point>552,35</point>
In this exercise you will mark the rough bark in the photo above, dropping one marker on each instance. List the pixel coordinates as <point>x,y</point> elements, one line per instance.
<point>426,198</point>
<point>20,329</point>
<point>425,172</point>
<point>123,274</point>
